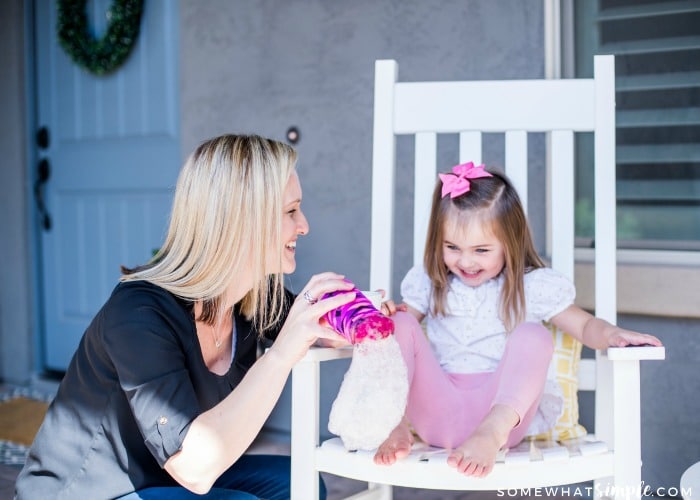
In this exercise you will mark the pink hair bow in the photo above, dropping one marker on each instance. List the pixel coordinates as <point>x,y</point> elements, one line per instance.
<point>457,182</point>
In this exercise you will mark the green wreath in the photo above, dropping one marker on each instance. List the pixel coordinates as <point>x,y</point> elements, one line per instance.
<point>103,56</point>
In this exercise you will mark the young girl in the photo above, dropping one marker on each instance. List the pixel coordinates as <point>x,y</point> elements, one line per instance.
<point>479,382</point>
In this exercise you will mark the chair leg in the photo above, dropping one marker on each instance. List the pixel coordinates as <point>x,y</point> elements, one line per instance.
<point>374,491</point>
<point>385,491</point>
<point>627,439</point>
<point>305,410</point>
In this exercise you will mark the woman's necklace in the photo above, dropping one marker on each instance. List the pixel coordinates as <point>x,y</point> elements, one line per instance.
<point>217,341</point>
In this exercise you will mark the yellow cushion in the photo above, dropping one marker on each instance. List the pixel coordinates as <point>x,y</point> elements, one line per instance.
<point>567,354</point>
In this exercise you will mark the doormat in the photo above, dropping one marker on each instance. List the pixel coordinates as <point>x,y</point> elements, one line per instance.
<point>21,412</point>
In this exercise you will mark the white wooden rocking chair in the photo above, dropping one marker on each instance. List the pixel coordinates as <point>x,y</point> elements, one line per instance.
<point>560,107</point>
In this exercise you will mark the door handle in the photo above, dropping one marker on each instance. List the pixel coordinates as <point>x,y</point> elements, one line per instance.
<point>43,175</point>
<point>43,139</point>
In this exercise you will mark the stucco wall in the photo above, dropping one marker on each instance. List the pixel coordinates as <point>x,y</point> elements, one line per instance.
<point>15,252</point>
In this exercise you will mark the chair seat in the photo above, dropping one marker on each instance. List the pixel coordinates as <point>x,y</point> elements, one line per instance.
<point>530,465</point>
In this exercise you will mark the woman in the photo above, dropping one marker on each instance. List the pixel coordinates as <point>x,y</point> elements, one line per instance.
<point>165,394</point>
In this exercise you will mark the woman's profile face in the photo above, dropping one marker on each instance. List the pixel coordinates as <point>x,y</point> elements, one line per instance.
<point>294,223</point>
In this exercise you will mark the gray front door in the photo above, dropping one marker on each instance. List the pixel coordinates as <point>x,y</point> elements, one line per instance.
<point>113,157</point>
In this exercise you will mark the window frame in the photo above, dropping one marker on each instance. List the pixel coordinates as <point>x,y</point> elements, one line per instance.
<point>650,281</point>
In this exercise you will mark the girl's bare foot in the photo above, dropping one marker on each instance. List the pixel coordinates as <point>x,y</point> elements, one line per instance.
<point>396,446</point>
<point>477,455</point>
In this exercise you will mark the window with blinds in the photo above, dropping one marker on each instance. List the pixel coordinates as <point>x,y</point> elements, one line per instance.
<point>657,49</point>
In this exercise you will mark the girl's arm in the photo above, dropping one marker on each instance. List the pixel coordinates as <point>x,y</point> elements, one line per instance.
<point>597,333</point>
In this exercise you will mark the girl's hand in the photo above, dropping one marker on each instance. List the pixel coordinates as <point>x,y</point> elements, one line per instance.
<point>389,307</point>
<point>303,325</point>
<point>621,338</point>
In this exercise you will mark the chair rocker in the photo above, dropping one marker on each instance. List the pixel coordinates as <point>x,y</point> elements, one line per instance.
<point>611,457</point>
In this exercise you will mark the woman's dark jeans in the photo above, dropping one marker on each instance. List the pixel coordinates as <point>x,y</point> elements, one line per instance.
<point>252,477</point>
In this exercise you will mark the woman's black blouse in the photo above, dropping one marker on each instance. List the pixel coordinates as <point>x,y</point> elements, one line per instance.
<point>131,391</point>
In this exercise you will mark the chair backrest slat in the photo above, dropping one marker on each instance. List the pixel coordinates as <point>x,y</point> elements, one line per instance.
<point>425,174</point>
<point>516,162</point>
<point>604,190</point>
<point>562,213</point>
<point>470,147</point>
<point>383,176</point>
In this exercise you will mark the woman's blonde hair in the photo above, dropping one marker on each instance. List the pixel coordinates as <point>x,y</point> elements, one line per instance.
<point>226,220</point>
<point>492,201</point>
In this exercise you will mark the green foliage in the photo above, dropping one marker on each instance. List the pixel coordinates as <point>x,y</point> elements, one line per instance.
<point>105,55</point>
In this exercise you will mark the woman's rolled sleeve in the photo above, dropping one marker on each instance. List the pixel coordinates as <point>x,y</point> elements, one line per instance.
<point>163,413</point>
<point>149,358</point>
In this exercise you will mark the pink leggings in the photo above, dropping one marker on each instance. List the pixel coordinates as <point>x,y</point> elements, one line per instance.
<point>445,408</point>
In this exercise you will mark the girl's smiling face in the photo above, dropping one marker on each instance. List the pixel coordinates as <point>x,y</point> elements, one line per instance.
<point>471,251</point>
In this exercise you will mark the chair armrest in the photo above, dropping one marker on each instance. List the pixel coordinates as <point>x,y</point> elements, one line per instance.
<point>636,353</point>
<point>318,354</point>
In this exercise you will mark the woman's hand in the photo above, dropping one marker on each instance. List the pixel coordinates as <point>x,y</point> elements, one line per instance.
<point>304,325</point>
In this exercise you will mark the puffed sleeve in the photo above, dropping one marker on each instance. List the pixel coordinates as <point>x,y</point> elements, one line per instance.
<point>547,293</point>
<point>146,336</point>
<point>415,289</point>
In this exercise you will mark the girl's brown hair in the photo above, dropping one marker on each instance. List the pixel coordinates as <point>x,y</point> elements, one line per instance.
<point>495,202</point>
